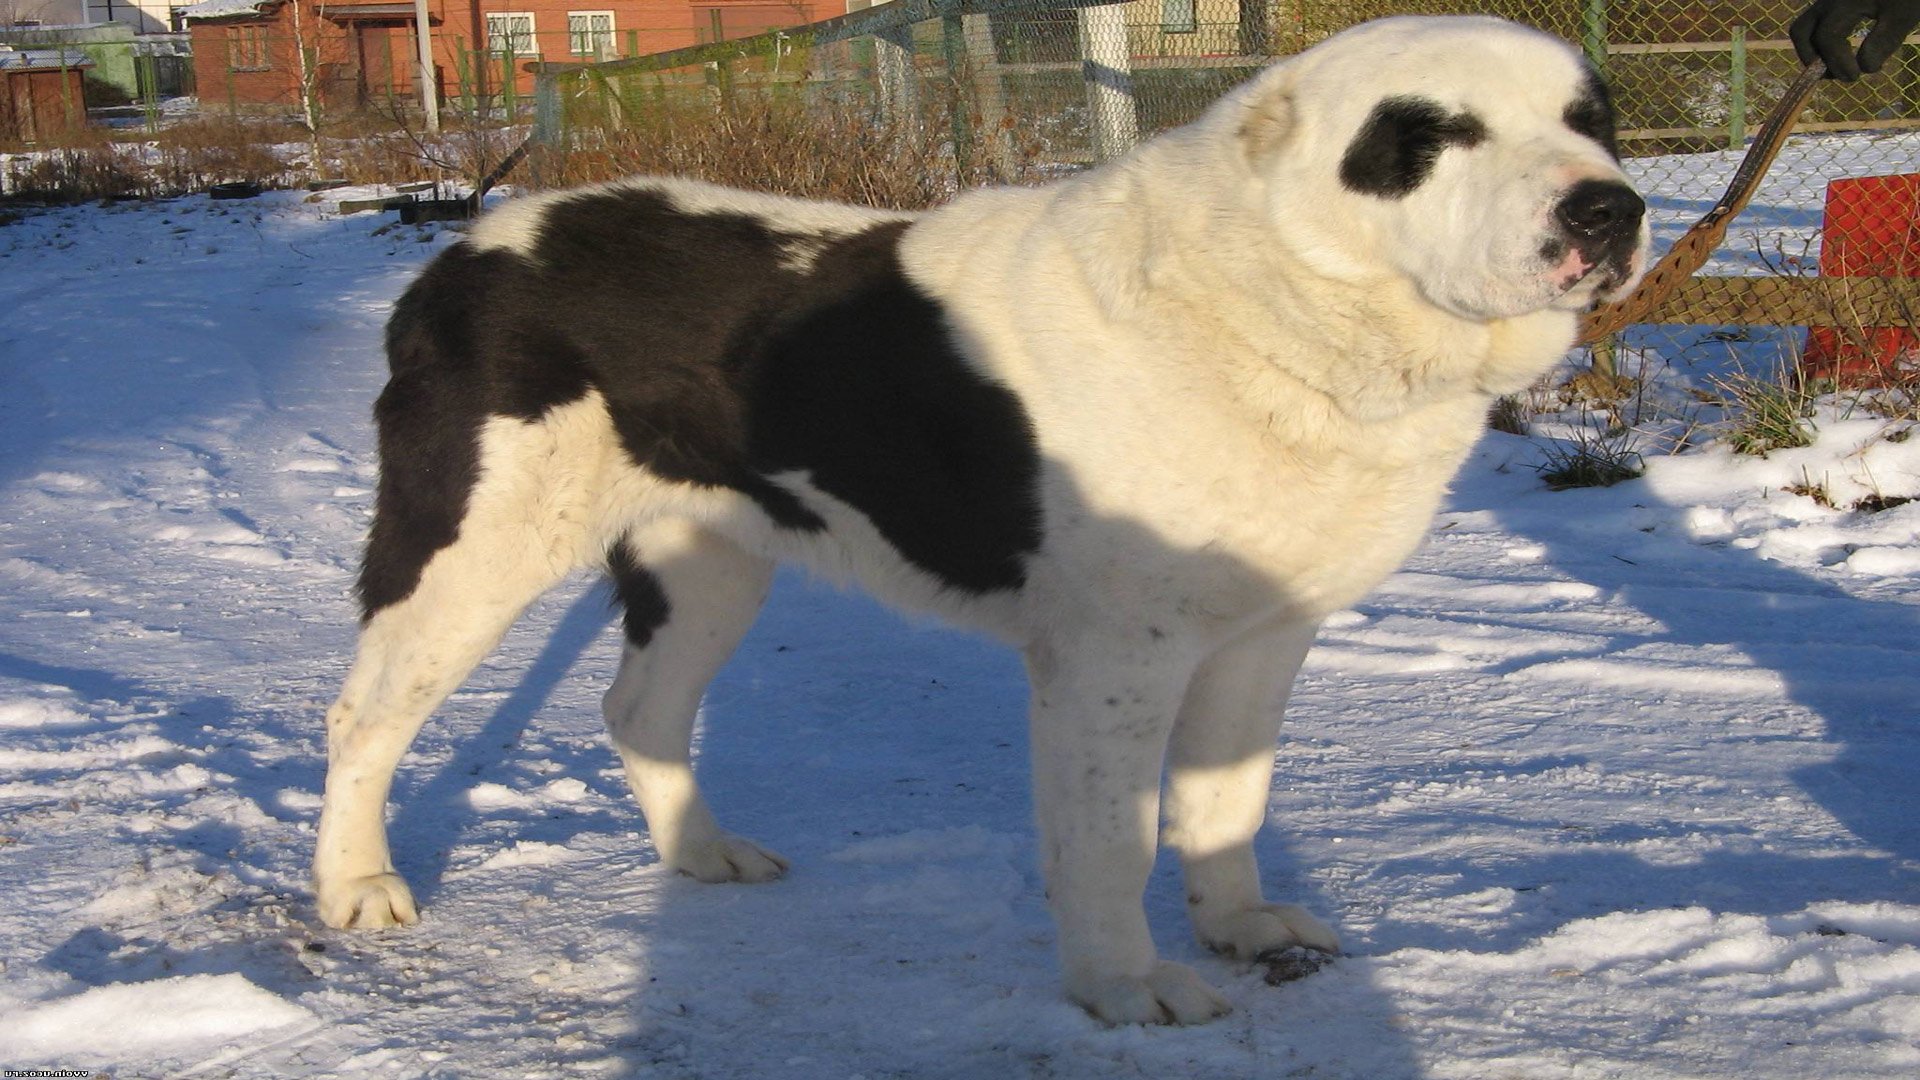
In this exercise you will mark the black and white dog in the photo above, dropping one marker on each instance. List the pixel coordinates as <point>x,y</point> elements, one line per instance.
<point>1150,425</point>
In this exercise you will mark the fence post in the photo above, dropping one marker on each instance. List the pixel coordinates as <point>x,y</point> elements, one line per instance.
<point>893,67</point>
<point>1737,91</point>
<point>393,89</point>
<point>509,88</point>
<point>1593,33</point>
<point>1256,26</point>
<point>66,84</point>
<point>1108,64</point>
<point>547,119</point>
<point>610,100</point>
<point>463,72</point>
<point>990,90</point>
<point>147,77</point>
<point>953,48</point>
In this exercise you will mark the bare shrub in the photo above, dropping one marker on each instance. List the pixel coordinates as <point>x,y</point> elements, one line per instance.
<point>823,146</point>
<point>78,173</point>
<point>195,155</point>
<point>186,158</point>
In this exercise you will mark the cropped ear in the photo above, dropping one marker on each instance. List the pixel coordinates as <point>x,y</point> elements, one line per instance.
<point>1266,117</point>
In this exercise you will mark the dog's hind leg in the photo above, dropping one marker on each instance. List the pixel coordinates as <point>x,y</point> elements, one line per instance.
<point>690,597</point>
<point>514,541</point>
<point>1220,771</point>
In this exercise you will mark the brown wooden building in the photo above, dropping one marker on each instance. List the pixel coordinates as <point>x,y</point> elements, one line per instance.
<point>42,93</point>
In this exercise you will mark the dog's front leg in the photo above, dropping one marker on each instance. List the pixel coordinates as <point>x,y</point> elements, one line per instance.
<point>1219,782</point>
<point>1102,712</point>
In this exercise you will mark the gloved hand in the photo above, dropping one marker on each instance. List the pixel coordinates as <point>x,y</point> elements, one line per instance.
<point>1821,33</point>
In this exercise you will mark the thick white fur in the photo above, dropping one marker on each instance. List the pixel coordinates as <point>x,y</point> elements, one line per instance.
<point>1250,387</point>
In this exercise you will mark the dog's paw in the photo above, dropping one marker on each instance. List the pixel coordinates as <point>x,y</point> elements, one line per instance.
<point>1255,932</point>
<point>367,903</point>
<point>1169,994</point>
<point>729,858</point>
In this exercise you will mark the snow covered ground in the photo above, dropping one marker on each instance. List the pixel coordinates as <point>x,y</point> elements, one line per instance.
<point>1607,783</point>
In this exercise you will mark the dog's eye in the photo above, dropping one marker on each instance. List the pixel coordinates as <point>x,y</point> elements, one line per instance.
<point>1591,114</point>
<point>1397,146</point>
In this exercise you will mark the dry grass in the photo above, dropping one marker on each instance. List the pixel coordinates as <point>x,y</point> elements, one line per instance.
<point>819,143</point>
<point>1591,458</point>
<point>189,157</point>
<point>822,147</point>
<point>195,155</point>
<point>1767,414</point>
<point>80,173</point>
<point>1510,414</point>
<point>94,164</point>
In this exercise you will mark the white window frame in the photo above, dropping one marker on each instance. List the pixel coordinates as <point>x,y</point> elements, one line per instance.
<point>502,34</point>
<point>589,41</point>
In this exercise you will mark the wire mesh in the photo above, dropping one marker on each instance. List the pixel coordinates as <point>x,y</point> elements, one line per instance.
<point>906,102</point>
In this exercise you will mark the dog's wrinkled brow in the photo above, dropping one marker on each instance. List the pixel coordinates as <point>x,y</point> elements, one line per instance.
<point>1395,150</point>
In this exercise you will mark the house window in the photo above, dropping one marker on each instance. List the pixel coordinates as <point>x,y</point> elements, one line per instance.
<point>247,49</point>
<point>511,31</point>
<point>590,33</point>
<point>1178,17</point>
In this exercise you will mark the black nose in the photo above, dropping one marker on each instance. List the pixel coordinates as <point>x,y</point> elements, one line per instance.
<point>1600,210</point>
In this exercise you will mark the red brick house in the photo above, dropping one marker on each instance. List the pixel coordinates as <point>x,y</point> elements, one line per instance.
<point>257,52</point>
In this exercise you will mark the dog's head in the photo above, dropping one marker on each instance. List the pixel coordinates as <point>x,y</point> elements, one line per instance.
<point>1473,156</point>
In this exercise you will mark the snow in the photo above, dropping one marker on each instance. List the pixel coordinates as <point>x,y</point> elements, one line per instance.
<point>132,1020</point>
<point>1607,783</point>
<point>214,9</point>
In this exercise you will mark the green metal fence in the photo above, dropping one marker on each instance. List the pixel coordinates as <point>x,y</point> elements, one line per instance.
<point>1017,90</point>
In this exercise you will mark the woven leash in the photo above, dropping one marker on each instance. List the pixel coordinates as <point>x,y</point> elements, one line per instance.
<point>1690,253</point>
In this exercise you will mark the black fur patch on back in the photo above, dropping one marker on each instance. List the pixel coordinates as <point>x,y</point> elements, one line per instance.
<point>447,338</point>
<point>639,594</point>
<point>860,384</point>
<point>1591,114</point>
<point>723,363</point>
<point>1396,148</point>
<point>666,306</point>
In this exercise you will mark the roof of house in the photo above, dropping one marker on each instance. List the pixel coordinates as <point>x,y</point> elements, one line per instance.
<point>35,59</point>
<point>221,9</point>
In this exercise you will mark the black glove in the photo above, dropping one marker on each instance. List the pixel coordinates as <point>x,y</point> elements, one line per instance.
<point>1821,33</point>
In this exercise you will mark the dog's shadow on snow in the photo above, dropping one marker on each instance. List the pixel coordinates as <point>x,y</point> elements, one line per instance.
<point>1846,664</point>
<point>888,759</point>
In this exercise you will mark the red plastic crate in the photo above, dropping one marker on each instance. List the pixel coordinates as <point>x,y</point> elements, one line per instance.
<point>1872,229</point>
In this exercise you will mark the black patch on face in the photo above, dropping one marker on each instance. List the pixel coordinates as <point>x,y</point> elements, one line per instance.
<point>1591,114</point>
<point>720,366</point>
<point>1396,148</point>
<point>639,595</point>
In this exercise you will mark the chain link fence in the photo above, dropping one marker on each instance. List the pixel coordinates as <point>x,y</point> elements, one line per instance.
<point>907,101</point>
<point>972,91</point>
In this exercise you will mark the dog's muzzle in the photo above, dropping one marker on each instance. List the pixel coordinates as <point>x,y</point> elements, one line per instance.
<point>1601,219</point>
